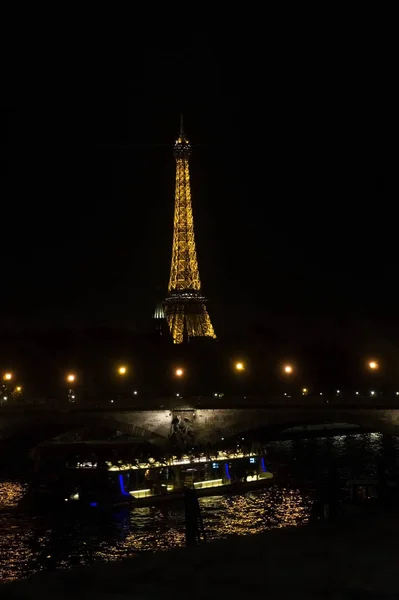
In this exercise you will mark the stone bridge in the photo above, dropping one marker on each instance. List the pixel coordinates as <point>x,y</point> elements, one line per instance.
<point>192,424</point>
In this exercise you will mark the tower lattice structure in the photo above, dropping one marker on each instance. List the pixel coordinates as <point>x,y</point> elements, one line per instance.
<point>185,307</point>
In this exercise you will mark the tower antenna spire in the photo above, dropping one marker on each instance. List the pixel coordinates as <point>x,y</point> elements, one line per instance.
<point>181,125</point>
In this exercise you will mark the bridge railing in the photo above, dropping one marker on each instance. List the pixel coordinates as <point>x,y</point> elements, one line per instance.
<point>209,402</point>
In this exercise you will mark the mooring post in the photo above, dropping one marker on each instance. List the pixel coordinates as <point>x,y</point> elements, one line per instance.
<point>194,524</point>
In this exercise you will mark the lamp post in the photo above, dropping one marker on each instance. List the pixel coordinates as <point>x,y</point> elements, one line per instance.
<point>71,379</point>
<point>179,373</point>
<point>6,393</point>
<point>17,393</point>
<point>122,371</point>
<point>241,382</point>
<point>288,372</point>
<point>373,366</point>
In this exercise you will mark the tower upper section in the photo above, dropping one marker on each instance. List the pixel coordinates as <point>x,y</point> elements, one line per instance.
<point>182,145</point>
<point>184,275</point>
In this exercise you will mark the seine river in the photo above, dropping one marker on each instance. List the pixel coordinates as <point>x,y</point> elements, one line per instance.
<point>30,544</point>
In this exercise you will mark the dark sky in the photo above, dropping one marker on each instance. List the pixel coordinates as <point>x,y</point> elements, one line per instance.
<point>294,223</point>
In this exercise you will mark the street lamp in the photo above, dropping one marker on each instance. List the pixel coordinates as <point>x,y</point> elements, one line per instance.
<point>122,371</point>
<point>239,366</point>
<point>71,378</point>
<point>18,389</point>
<point>373,365</point>
<point>288,369</point>
<point>5,389</point>
<point>179,372</point>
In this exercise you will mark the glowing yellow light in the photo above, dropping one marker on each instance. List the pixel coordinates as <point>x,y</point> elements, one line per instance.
<point>239,366</point>
<point>18,388</point>
<point>122,370</point>
<point>208,483</point>
<point>8,376</point>
<point>179,372</point>
<point>373,365</point>
<point>140,493</point>
<point>185,308</point>
<point>304,390</point>
<point>71,378</point>
<point>288,369</point>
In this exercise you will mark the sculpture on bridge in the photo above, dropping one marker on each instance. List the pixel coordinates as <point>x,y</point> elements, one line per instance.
<point>181,431</point>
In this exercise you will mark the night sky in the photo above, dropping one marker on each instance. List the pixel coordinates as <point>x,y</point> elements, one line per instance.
<point>289,182</point>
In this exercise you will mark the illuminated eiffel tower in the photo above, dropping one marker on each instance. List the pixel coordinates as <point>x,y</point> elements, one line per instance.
<point>185,307</point>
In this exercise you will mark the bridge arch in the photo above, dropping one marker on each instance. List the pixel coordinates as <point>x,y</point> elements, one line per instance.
<point>45,427</point>
<point>230,423</point>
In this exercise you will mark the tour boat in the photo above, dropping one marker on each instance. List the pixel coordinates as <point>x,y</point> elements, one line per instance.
<point>104,484</point>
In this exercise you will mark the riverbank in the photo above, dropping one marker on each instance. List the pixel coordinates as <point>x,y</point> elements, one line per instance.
<point>357,555</point>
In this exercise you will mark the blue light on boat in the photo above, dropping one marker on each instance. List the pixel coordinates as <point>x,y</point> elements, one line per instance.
<point>93,503</point>
<point>122,486</point>
<point>262,462</point>
<point>226,467</point>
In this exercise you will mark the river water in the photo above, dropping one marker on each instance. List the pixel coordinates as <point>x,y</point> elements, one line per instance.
<point>29,544</point>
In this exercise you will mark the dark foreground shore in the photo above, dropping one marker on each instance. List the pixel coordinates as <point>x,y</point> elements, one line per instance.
<point>354,558</point>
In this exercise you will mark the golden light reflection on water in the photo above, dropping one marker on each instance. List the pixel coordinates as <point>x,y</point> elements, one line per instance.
<point>29,545</point>
<point>254,512</point>
<point>15,553</point>
<point>11,493</point>
<point>14,534</point>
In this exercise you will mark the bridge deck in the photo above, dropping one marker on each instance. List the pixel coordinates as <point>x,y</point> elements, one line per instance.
<point>208,403</point>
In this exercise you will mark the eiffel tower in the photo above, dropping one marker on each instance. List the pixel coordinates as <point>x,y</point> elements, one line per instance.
<point>185,306</point>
